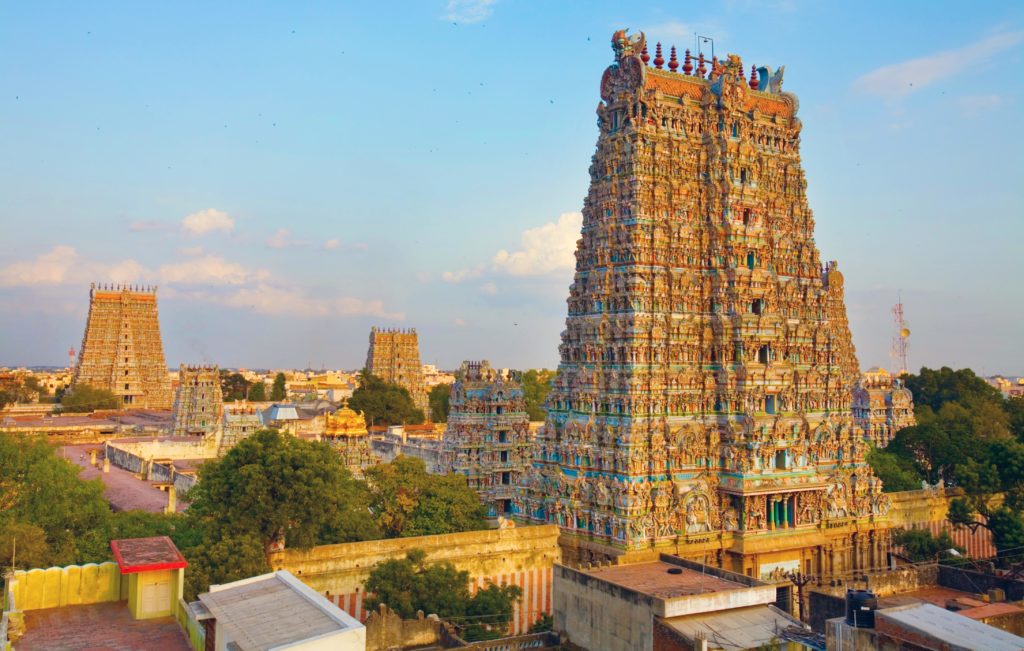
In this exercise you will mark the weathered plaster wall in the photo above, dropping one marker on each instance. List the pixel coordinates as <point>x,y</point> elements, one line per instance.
<point>73,585</point>
<point>522,556</point>
<point>595,614</point>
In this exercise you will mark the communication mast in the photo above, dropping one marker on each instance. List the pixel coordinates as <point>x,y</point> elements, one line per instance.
<point>72,358</point>
<point>900,340</point>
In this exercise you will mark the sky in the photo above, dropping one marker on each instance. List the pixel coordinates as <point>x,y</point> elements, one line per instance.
<point>291,174</point>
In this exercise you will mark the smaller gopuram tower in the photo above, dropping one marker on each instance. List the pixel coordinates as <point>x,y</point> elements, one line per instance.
<point>488,435</point>
<point>882,406</point>
<point>394,356</point>
<point>121,350</point>
<point>198,403</point>
<point>345,430</point>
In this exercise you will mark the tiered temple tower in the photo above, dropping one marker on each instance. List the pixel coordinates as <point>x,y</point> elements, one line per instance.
<point>703,396</point>
<point>394,356</point>
<point>198,403</point>
<point>488,434</point>
<point>345,430</point>
<point>121,349</point>
<point>882,406</point>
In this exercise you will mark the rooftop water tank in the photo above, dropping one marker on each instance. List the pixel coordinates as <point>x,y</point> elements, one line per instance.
<point>860,608</point>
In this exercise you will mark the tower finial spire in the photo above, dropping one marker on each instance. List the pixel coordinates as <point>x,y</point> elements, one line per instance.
<point>673,62</point>
<point>658,60</point>
<point>753,77</point>
<point>687,63</point>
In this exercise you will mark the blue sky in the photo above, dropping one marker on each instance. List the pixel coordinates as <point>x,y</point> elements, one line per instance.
<point>292,174</point>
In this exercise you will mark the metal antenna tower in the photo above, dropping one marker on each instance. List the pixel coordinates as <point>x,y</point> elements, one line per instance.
<point>72,358</point>
<point>901,339</point>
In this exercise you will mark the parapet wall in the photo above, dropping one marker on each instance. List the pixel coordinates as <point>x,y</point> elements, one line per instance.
<point>74,585</point>
<point>522,556</point>
<point>150,470</point>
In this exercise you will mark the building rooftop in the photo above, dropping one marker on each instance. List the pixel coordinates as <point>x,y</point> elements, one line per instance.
<point>735,629</point>
<point>952,630</point>
<point>146,554</point>
<point>107,625</point>
<point>122,488</point>
<point>272,610</point>
<point>655,579</point>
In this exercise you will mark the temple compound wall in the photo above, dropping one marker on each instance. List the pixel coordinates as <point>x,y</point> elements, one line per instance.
<point>522,556</point>
<point>198,402</point>
<point>488,434</point>
<point>703,401</point>
<point>394,356</point>
<point>122,351</point>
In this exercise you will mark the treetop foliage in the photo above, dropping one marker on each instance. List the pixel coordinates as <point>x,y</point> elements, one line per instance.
<point>536,386</point>
<point>440,395</point>
<point>85,398</point>
<point>384,403</point>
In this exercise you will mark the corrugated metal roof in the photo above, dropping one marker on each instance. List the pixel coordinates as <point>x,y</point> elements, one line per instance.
<point>955,630</point>
<point>735,629</point>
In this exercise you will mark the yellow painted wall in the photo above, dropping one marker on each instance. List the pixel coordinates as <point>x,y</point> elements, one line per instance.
<point>67,586</point>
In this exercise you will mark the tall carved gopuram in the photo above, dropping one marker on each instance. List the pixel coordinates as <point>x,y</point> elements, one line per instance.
<point>488,434</point>
<point>121,349</point>
<point>702,403</point>
<point>394,356</point>
<point>198,403</point>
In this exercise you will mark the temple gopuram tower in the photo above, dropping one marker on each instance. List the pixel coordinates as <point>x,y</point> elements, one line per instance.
<point>121,350</point>
<point>702,403</point>
<point>488,434</point>
<point>345,430</point>
<point>198,403</point>
<point>394,356</point>
<point>882,406</point>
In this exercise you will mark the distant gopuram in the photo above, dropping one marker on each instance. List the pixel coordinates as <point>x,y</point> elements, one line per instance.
<point>703,399</point>
<point>121,350</point>
<point>488,434</point>
<point>394,356</point>
<point>198,403</point>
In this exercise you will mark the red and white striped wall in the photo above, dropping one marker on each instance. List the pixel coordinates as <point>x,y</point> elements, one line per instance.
<point>978,543</point>
<point>536,600</point>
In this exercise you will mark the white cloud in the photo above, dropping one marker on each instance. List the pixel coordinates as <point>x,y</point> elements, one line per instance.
<point>972,105</point>
<point>279,240</point>
<point>332,244</point>
<point>50,268</point>
<point>462,274</point>
<point>143,225</point>
<point>207,270</point>
<point>489,288</point>
<point>191,250</point>
<point>266,299</point>
<point>361,246</point>
<point>207,221</point>
<point>546,248</point>
<point>469,11</point>
<point>898,80</point>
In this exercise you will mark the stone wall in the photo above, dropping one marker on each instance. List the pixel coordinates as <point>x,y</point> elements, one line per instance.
<point>927,509</point>
<point>127,456</point>
<point>522,556</point>
<point>386,630</point>
<point>976,582</point>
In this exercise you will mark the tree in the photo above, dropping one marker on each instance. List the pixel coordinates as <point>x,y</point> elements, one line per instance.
<point>411,584</point>
<point>85,398</point>
<point>23,546</point>
<point>536,386</point>
<point>934,388</point>
<point>279,390</point>
<point>6,398</point>
<point>273,486</point>
<point>920,545</point>
<point>39,489</point>
<point>409,502</point>
<point>992,479</point>
<point>258,391</point>
<point>896,473</point>
<point>233,386</point>
<point>222,558</point>
<point>439,398</point>
<point>384,403</point>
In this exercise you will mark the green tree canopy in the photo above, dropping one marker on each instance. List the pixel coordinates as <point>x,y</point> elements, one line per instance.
<point>409,502</point>
<point>258,391</point>
<point>86,398</point>
<point>934,388</point>
<point>279,391</point>
<point>384,403</point>
<point>920,545</point>
<point>896,472</point>
<point>536,386</point>
<point>39,489</point>
<point>439,398</point>
<point>273,485</point>
<point>411,584</point>
<point>233,386</point>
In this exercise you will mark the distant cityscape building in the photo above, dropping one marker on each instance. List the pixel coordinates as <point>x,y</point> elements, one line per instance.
<point>241,420</point>
<point>488,434</point>
<point>432,376</point>
<point>703,400</point>
<point>345,430</point>
<point>394,356</point>
<point>198,403</point>
<point>121,350</point>
<point>882,406</point>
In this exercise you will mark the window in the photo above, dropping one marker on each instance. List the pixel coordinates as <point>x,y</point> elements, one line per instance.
<point>746,216</point>
<point>769,404</point>
<point>757,306</point>
<point>751,260</point>
<point>502,437</point>
<point>504,456</point>
<point>780,460</point>
<point>125,387</point>
<point>764,354</point>
<point>506,478</point>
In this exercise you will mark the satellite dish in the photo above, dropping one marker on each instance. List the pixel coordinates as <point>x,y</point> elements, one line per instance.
<point>904,332</point>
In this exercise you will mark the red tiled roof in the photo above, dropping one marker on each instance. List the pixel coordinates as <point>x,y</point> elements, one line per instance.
<point>147,554</point>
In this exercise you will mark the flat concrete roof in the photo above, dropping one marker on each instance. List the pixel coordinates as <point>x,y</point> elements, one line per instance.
<point>107,625</point>
<point>654,579</point>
